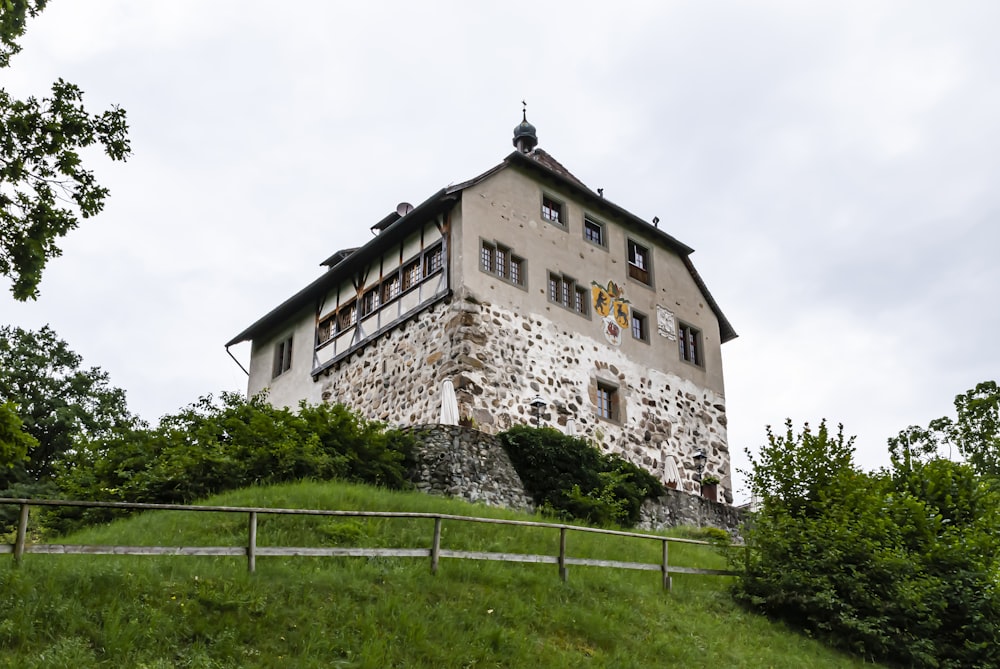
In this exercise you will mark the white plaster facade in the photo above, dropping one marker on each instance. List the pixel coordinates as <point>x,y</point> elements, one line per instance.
<point>504,334</point>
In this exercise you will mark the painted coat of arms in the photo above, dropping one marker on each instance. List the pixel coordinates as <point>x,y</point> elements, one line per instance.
<point>610,303</point>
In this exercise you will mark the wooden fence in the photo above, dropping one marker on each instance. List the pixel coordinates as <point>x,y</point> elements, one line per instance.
<point>252,551</point>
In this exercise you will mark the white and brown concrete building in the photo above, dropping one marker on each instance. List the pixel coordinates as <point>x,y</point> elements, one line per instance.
<point>520,284</point>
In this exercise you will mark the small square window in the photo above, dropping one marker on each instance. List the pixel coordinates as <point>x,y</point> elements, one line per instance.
<point>639,262</point>
<point>640,326</point>
<point>282,356</point>
<point>552,210</point>
<point>593,231</point>
<point>689,341</point>
<point>607,401</point>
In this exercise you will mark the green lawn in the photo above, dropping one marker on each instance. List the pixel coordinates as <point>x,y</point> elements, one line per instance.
<point>127,611</point>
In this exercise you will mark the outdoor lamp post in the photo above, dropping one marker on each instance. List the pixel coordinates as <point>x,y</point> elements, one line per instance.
<point>537,403</point>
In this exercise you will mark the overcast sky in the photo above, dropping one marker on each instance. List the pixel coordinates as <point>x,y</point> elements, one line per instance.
<point>835,165</point>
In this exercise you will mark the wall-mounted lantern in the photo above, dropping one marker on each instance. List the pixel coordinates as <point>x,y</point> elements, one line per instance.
<point>699,461</point>
<point>537,403</point>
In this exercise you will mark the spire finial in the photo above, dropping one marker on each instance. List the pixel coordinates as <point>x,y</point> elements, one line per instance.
<point>524,111</point>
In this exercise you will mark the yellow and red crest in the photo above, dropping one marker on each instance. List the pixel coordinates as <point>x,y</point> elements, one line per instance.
<point>610,303</point>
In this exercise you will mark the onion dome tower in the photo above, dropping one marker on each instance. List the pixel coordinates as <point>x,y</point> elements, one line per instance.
<point>525,138</point>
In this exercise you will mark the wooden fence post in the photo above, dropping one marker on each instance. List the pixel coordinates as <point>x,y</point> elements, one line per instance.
<point>252,543</point>
<point>436,546</point>
<point>22,532</point>
<point>667,581</point>
<point>563,572</point>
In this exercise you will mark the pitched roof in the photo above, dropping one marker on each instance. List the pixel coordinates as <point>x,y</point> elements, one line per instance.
<point>394,226</point>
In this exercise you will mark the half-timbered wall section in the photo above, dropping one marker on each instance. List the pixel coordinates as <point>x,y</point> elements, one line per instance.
<point>406,278</point>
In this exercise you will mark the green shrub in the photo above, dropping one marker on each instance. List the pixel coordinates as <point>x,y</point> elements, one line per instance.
<point>214,446</point>
<point>899,566</point>
<point>571,478</point>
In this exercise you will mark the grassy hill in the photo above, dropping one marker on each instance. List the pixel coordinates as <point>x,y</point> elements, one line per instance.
<point>159,612</point>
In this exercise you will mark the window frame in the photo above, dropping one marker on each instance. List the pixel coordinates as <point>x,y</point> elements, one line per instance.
<point>371,301</point>
<point>602,242</point>
<point>565,292</point>
<point>433,260</point>
<point>607,402</point>
<point>347,316</point>
<point>690,344</point>
<point>282,361</point>
<point>411,274</point>
<point>500,261</point>
<point>640,262</point>
<point>391,283</point>
<point>554,204</point>
<point>638,317</point>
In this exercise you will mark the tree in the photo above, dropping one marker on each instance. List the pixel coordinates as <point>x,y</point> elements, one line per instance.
<point>43,185</point>
<point>900,566</point>
<point>14,441</point>
<point>975,431</point>
<point>793,470</point>
<point>57,401</point>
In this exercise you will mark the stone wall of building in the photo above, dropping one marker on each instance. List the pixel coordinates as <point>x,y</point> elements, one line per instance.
<point>507,358</point>
<point>465,463</point>
<point>498,360</point>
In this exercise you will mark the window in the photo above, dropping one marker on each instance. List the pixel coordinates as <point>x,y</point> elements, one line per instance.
<point>640,326</point>
<point>282,356</point>
<point>433,260</point>
<point>593,231</point>
<point>689,340</point>
<point>581,304</point>
<point>638,262</point>
<point>501,262</point>
<point>607,401</point>
<point>552,210</point>
<point>371,301</point>
<point>411,274</point>
<point>327,328</point>
<point>347,316</point>
<point>564,292</point>
<point>390,288</point>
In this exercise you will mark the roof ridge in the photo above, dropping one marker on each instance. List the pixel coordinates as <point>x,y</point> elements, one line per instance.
<point>545,158</point>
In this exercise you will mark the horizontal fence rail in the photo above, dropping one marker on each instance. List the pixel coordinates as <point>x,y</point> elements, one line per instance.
<point>434,553</point>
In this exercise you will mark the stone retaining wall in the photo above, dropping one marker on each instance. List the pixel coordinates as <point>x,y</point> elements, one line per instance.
<point>676,508</point>
<point>465,463</point>
<point>471,465</point>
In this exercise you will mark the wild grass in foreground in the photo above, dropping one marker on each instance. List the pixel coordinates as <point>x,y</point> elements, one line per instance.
<point>103,611</point>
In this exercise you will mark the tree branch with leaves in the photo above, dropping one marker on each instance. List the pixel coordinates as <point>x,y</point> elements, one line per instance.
<point>44,187</point>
